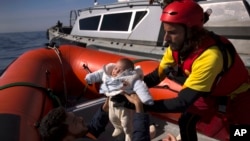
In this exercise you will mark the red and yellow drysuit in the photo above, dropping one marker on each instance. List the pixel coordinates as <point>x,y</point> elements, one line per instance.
<point>206,81</point>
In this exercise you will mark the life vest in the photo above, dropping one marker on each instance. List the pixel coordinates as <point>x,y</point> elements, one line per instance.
<point>224,84</point>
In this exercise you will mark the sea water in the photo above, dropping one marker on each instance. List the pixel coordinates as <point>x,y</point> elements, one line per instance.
<point>12,45</point>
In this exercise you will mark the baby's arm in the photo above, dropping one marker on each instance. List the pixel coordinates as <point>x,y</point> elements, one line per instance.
<point>142,91</point>
<point>94,77</point>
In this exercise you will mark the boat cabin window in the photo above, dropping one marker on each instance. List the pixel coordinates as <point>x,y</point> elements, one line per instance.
<point>90,23</point>
<point>116,22</point>
<point>124,21</point>
<point>138,17</point>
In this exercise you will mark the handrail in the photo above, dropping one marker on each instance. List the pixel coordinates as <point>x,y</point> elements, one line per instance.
<point>118,5</point>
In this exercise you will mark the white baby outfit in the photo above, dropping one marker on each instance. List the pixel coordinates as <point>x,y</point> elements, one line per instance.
<point>129,81</point>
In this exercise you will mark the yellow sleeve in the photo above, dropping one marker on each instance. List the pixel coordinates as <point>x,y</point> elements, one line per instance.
<point>205,69</point>
<point>166,61</point>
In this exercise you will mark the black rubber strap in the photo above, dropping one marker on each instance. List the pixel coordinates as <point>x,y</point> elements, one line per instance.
<point>56,100</point>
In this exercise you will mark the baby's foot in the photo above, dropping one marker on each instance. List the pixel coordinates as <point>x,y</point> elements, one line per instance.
<point>116,132</point>
<point>152,131</point>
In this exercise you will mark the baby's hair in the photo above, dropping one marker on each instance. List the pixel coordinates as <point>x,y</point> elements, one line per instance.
<point>128,63</point>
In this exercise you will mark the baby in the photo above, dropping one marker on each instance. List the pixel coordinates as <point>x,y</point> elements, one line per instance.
<point>116,79</point>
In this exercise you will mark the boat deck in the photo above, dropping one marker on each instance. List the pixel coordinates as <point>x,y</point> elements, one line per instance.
<point>87,110</point>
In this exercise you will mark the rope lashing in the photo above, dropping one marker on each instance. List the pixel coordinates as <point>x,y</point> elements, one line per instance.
<point>57,51</point>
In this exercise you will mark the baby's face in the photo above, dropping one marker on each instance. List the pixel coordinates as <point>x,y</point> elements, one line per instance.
<point>119,68</point>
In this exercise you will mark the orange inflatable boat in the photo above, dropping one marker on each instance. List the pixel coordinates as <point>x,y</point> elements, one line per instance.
<point>43,78</point>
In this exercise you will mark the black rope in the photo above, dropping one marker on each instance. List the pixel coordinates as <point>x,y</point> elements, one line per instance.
<point>49,92</point>
<point>141,60</point>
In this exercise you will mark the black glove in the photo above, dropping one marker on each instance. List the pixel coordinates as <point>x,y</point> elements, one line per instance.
<point>122,101</point>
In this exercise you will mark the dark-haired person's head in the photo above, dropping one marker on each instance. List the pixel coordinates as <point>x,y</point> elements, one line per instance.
<point>59,125</point>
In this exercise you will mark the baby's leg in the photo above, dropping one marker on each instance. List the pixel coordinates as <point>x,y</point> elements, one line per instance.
<point>126,118</point>
<point>115,121</point>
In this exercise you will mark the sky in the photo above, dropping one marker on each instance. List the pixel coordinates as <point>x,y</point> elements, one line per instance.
<point>38,15</point>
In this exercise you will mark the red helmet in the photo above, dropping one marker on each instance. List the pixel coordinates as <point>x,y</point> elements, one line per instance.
<point>185,12</point>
